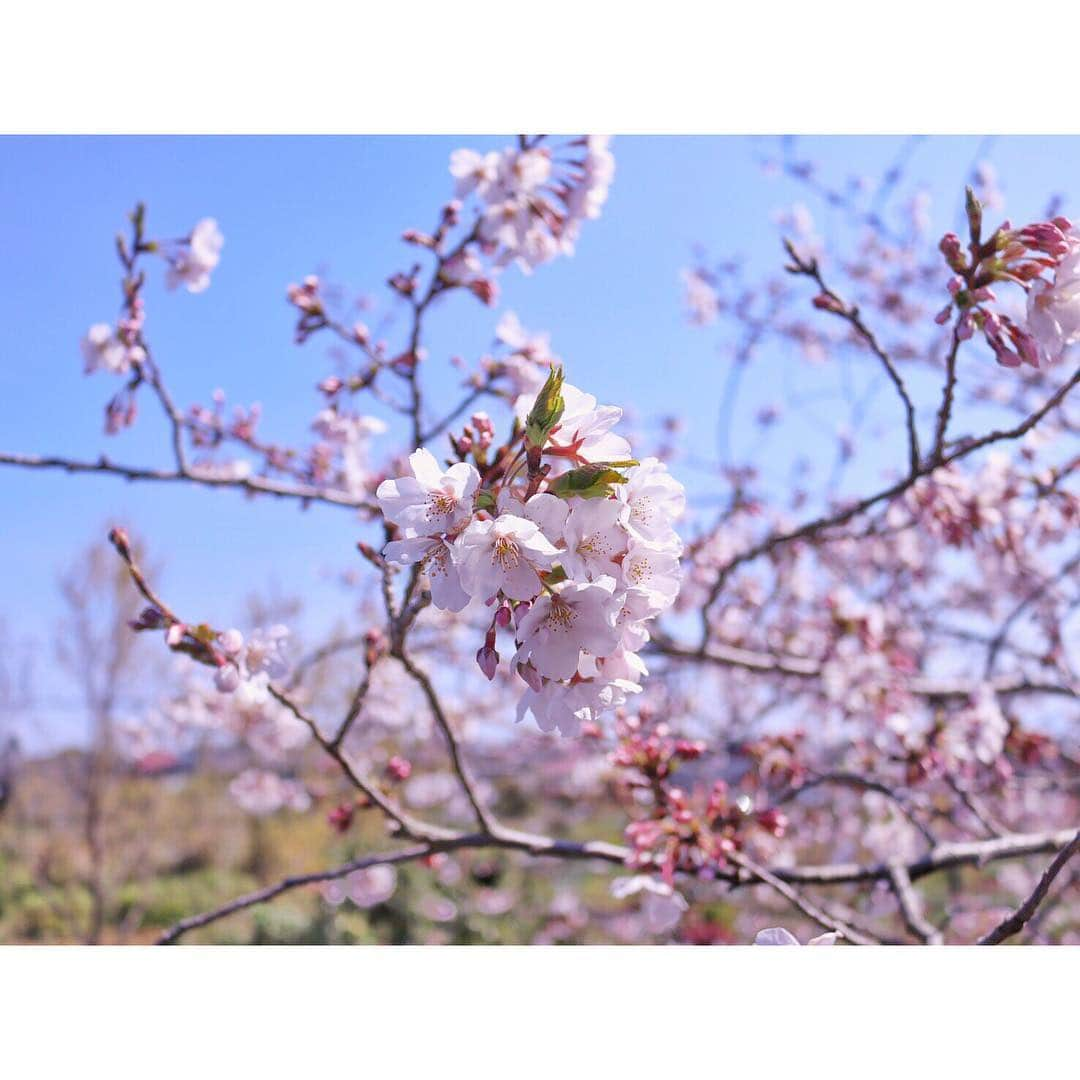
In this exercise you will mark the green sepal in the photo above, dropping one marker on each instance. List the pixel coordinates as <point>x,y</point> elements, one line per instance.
<point>594,481</point>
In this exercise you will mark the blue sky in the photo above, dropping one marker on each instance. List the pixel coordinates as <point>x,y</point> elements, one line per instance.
<point>290,206</point>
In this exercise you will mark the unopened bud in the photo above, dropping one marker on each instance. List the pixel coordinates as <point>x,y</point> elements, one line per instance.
<point>825,302</point>
<point>488,660</point>
<point>398,768</point>
<point>973,208</point>
<point>547,410</point>
<point>953,251</point>
<point>531,676</point>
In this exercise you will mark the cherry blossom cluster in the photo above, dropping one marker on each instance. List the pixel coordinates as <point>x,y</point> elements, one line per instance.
<point>534,198</point>
<point>686,830</point>
<point>568,538</point>
<point>1024,257</point>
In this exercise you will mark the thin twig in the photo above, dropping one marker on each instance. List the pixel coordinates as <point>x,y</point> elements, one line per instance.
<point>254,485</point>
<point>911,906</point>
<point>794,897</point>
<point>483,814</point>
<point>1019,918</point>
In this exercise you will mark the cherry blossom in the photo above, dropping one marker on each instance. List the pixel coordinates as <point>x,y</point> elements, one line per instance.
<point>430,501</point>
<point>265,652</point>
<point>565,708</point>
<point>652,500</point>
<point>1053,308</point>
<point>654,569</point>
<point>436,559</point>
<point>562,623</point>
<point>474,172</point>
<point>193,260</point>
<point>662,906</point>
<point>594,539</point>
<point>103,350</point>
<point>777,935</point>
<point>584,433</point>
<point>506,553</point>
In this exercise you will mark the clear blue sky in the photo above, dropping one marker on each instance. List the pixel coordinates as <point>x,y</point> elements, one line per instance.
<point>289,206</point>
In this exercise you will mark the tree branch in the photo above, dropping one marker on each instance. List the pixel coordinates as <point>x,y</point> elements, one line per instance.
<point>1018,919</point>
<point>254,485</point>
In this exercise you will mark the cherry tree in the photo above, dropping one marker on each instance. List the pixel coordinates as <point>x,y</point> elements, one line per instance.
<point>851,710</point>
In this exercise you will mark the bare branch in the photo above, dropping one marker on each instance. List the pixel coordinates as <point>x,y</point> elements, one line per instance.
<point>850,314</point>
<point>483,814</point>
<point>911,906</point>
<point>794,897</point>
<point>254,485</point>
<point>1019,918</point>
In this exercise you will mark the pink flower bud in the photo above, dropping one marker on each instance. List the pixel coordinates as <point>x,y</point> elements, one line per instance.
<point>341,817</point>
<point>1046,237</point>
<point>824,302</point>
<point>414,236</point>
<point>403,283</point>
<point>488,660</point>
<point>174,635</point>
<point>531,676</point>
<point>150,618</point>
<point>485,290</point>
<point>953,251</point>
<point>398,768</point>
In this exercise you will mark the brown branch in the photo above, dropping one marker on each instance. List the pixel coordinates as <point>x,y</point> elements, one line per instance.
<point>947,394</point>
<point>408,825</point>
<point>254,485</point>
<point>120,541</point>
<point>850,314</point>
<point>483,814</point>
<point>795,898</point>
<point>943,857</point>
<point>911,906</point>
<point>261,896</point>
<point>1019,918</point>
